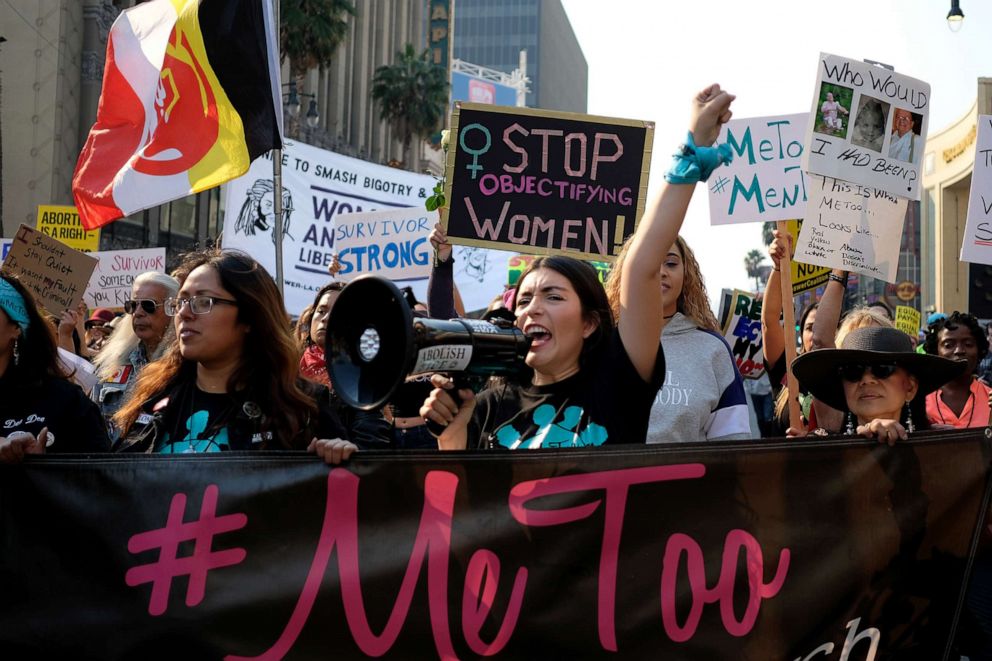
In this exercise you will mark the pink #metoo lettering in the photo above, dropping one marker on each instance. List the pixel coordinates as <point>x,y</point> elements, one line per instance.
<point>432,546</point>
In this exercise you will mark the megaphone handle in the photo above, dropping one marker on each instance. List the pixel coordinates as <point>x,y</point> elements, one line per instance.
<point>436,428</point>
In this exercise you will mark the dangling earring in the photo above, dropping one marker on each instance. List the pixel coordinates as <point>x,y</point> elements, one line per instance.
<point>910,427</point>
<point>849,426</point>
<point>17,353</point>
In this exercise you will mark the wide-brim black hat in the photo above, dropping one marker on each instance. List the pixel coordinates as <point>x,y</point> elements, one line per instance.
<point>817,371</point>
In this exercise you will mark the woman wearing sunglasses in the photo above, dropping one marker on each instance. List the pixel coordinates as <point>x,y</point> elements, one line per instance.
<point>231,381</point>
<point>877,381</point>
<point>139,339</point>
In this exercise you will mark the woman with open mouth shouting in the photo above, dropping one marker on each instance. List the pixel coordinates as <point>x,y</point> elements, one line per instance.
<point>593,381</point>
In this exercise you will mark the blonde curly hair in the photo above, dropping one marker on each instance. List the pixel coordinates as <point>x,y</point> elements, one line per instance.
<point>693,301</point>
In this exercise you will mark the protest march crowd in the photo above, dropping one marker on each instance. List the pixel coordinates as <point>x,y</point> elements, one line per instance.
<point>206,360</point>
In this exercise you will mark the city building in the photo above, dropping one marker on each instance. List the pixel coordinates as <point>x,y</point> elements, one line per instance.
<point>948,283</point>
<point>491,33</point>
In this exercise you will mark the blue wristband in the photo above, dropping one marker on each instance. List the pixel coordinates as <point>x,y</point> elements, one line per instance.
<point>693,164</point>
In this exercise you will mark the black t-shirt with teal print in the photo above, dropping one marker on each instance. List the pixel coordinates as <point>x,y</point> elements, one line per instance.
<point>199,425</point>
<point>606,402</point>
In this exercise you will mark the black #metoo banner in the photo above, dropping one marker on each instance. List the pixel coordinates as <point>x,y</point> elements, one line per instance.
<point>802,550</point>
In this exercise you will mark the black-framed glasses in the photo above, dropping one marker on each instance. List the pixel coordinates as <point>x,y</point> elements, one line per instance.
<point>854,372</point>
<point>149,305</point>
<point>197,304</point>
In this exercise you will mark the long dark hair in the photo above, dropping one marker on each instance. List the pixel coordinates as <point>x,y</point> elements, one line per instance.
<point>268,370</point>
<point>39,353</point>
<point>329,287</point>
<point>592,296</point>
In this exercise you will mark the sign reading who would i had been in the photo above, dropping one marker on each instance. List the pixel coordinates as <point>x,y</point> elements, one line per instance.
<point>976,246</point>
<point>765,181</point>
<point>867,126</point>
<point>53,272</point>
<point>62,224</point>
<point>545,182</point>
<point>852,227</point>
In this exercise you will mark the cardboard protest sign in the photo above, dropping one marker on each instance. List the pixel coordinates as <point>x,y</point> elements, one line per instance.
<point>544,182</point>
<point>908,320</point>
<point>62,223</point>
<point>977,244</point>
<point>55,274</point>
<point>520,263</point>
<point>392,243</point>
<point>805,277</point>
<point>743,333</point>
<point>110,284</point>
<point>317,186</point>
<point>852,227</point>
<point>765,181</point>
<point>867,126</point>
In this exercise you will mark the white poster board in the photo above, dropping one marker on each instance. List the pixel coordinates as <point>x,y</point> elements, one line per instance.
<point>110,284</point>
<point>765,181</point>
<point>318,185</point>
<point>393,243</point>
<point>852,227</point>
<point>868,125</point>
<point>977,243</point>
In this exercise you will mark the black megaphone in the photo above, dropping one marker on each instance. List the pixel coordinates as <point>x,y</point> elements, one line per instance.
<point>374,342</point>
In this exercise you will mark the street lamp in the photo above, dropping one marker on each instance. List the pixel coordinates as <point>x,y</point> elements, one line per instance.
<point>293,100</point>
<point>313,117</point>
<point>955,17</point>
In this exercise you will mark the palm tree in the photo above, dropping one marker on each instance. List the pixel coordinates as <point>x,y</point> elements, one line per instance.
<point>752,262</point>
<point>311,31</point>
<point>412,94</point>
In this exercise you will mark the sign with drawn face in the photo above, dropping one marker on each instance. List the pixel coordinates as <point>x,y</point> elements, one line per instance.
<point>867,126</point>
<point>545,182</point>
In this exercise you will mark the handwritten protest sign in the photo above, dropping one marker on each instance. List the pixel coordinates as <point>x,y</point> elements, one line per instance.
<point>805,277</point>
<point>110,284</point>
<point>62,223</point>
<point>392,243</point>
<point>908,320</point>
<point>765,181</point>
<point>54,273</point>
<point>520,263</point>
<point>545,182</point>
<point>852,227</point>
<point>867,126</point>
<point>743,333</point>
<point>977,244</point>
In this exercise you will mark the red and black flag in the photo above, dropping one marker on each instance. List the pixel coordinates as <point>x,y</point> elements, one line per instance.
<point>190,97</point>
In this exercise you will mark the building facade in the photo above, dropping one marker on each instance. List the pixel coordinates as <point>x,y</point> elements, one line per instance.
<point>948,283</point>
<point>491,33</point>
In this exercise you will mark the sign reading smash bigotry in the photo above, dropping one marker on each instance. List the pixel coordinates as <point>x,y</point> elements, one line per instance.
<point>767,550</point>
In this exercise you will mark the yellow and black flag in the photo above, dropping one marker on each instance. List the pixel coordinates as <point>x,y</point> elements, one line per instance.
<point>190,97</point>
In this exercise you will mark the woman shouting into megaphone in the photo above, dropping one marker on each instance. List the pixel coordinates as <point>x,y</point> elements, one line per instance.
<point>593,380</point>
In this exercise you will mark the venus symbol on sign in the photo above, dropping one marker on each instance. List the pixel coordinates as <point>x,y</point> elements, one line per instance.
<point>476,153</point>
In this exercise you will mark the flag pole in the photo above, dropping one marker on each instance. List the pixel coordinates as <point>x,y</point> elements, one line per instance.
<point>789,322</point>
<point>277,170</point>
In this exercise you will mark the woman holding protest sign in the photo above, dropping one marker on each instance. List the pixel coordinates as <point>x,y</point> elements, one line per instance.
<point>231,381</point>
<point>877,380</point>
<point>593,382</point>
<point>41,410</point>
<point>703,395</point>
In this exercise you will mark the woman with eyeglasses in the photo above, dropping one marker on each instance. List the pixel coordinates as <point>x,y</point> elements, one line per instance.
<point>137,341</point>
<point>231,380</point>
<point>41,410</point>
<point>877,380</point>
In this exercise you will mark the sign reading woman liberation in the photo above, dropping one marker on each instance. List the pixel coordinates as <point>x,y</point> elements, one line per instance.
<point>545,182</point>
<point>867,126</point>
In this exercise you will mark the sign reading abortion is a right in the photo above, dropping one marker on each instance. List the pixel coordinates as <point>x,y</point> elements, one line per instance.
<point>545,182</point>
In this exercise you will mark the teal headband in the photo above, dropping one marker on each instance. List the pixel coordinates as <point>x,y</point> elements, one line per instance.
<point>12,303</point>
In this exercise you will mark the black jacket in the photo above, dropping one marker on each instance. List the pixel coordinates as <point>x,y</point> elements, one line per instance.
<point>73,420</point>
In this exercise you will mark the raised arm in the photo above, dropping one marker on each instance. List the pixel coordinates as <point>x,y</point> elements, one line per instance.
<point>828,311</point>
<point>772,333</point>
<point>641,306</point>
